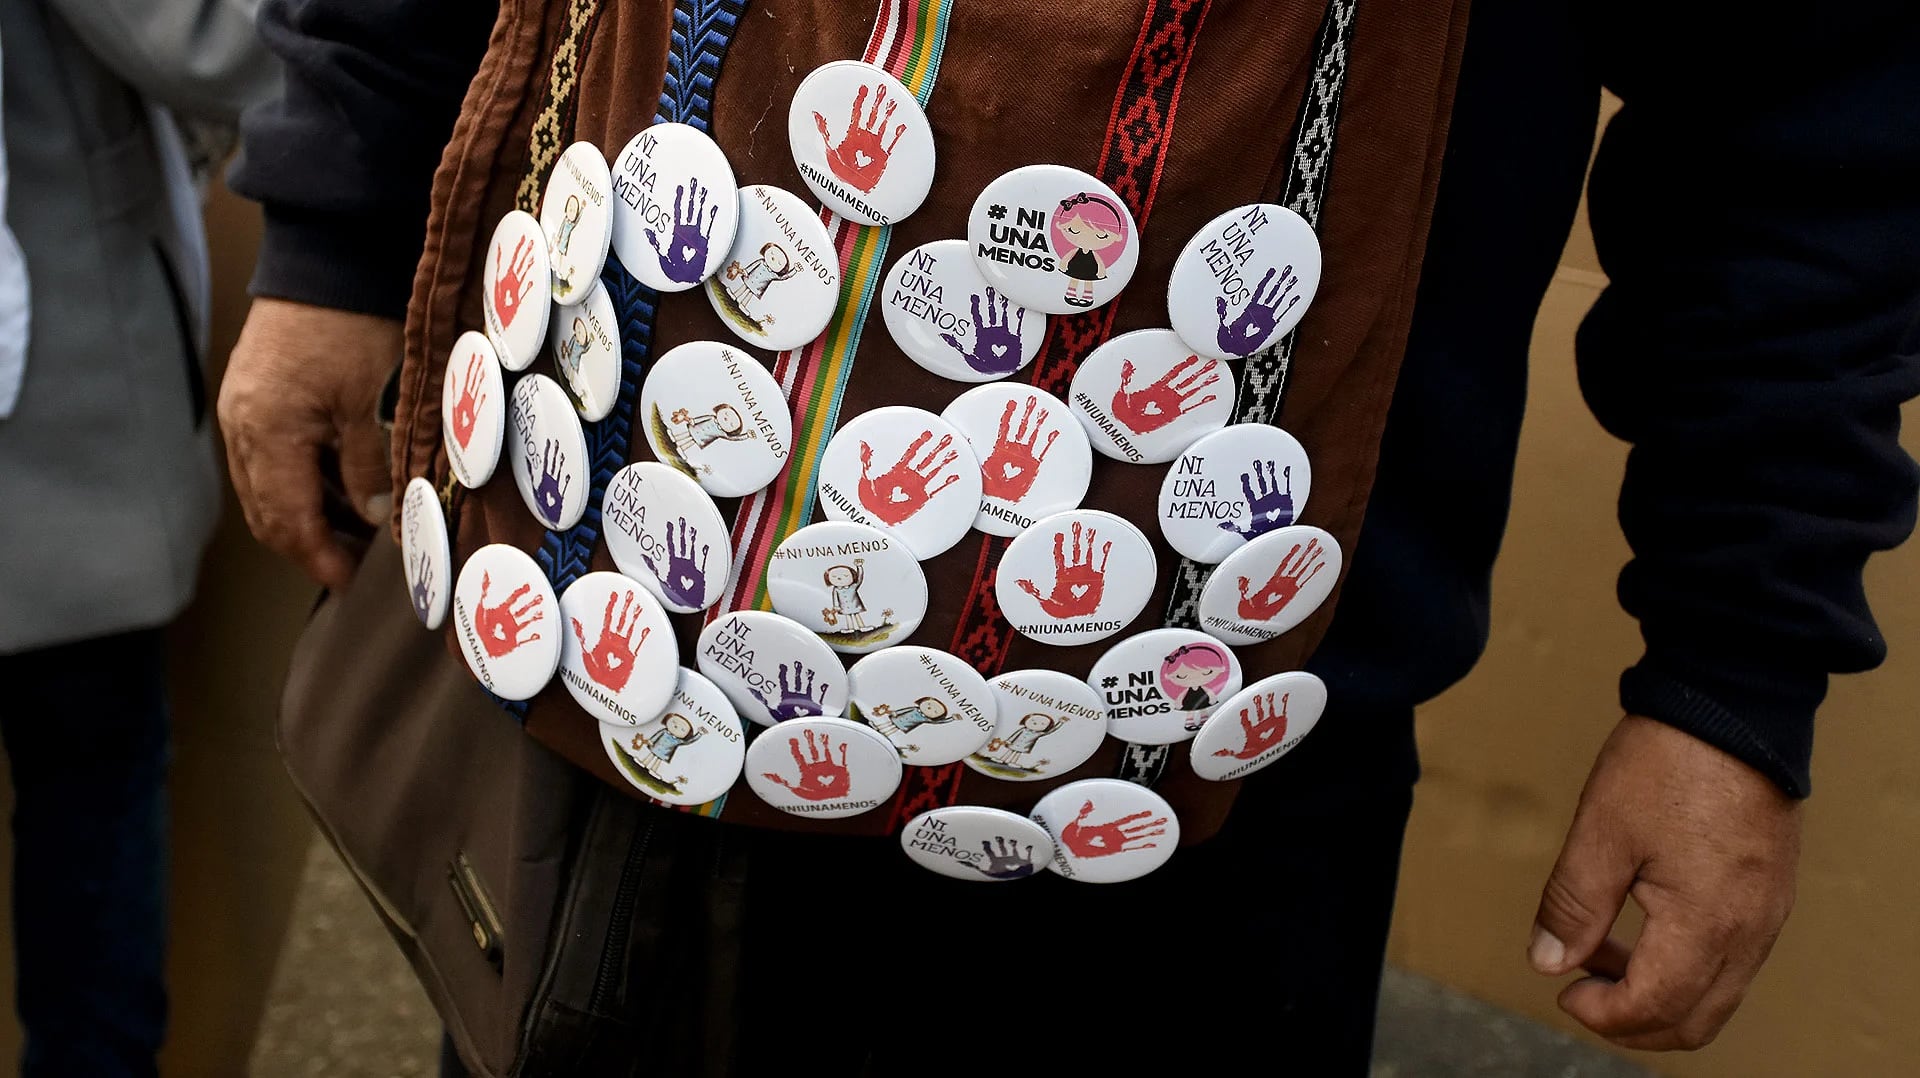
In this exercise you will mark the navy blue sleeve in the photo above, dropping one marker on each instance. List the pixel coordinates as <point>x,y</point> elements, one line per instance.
<point>1756,205</point>
<point>343,161</point>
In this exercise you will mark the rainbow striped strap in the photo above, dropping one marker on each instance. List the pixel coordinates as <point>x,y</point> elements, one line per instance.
<point>907,40</point>
<point>1132,156</point>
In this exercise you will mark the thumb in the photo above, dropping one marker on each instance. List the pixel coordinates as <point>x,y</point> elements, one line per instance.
<point>364,469</point>
<point>1582,898</point>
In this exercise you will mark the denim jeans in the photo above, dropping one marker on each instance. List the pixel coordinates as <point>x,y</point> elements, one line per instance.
<point>86,731</point>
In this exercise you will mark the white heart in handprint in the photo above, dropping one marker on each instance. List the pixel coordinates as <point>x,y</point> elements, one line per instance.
<point>862,158</point>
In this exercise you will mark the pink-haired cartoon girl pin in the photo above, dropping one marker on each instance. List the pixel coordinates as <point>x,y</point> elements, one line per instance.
<point>1089,234</point>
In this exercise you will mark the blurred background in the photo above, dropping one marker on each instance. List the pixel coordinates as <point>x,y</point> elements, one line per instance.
<point>278,968</point>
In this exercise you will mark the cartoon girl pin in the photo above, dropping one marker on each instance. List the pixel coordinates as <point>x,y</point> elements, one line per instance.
<point>723,424</point>
<point>569,219</point>
<point>926,711</point>
<point>1089,233</point>
<point>1025,739</point>
<point>843,588</point>
<point>1192,676</point>
<point>656,750</point>
<point>750,282</point>
<point>573,348</point>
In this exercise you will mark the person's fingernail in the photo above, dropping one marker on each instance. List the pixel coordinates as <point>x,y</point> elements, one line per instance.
<point>378,508</point>
<point>1546,952</point>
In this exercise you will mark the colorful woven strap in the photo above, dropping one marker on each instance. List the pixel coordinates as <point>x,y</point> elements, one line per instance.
<point>1263,378</point>
<point>1132,156</point>
<point>907,40</point>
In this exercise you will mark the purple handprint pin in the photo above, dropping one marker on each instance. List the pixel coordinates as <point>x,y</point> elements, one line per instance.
<point>1244,281</point>
<point>772,668</point>
<point>676,207</point>
<point>424,552</point>
<point>683,257</point>
<point>1232,486</point>
<point>550,452</point>
<point>665,533</point>
<point>946,317</point>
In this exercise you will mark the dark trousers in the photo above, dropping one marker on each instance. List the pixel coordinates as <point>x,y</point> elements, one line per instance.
<point>792,954</point>
<point>86,740</point>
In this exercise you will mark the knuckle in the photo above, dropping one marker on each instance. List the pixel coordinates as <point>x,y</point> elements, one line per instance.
<point>1562,904</point>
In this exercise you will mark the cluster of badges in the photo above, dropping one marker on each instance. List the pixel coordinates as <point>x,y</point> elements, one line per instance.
<point>896,485</point>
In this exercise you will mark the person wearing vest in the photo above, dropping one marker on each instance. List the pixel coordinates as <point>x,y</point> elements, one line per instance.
<point>1754,344</point>
<point>108,478</point>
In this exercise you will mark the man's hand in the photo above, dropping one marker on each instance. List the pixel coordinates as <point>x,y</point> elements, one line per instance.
<point>1707,847</point>
<point>304,381</point>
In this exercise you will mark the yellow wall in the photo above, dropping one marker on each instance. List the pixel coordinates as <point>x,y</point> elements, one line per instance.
<point>1506,752</point>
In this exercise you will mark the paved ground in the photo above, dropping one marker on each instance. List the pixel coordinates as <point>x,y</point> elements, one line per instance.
<point>344,1005</point>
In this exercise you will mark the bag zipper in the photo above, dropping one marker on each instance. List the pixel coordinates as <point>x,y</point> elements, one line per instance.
<point>620,923</point>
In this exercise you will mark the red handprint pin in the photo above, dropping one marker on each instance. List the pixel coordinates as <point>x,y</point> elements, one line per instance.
<point>1258,725</point>
<point>1034,458</point>
<point>473,409</point>
<point>618,657</point>
<point>905,471</point>
<point>507,618</point>
<point>823,768</point>
<point>861,142</point>
<point>1107,830</point>
<point>1270,585</point>
<point>1243,281</point>
<point>1143,397</point>
<point>517,289</point>
<point>1075,577</point>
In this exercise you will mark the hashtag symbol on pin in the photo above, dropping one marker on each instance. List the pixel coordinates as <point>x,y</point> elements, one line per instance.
<point>1110,683</point>
<point>996,212</point>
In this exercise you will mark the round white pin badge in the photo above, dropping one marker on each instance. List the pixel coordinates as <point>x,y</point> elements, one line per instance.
<point>778,286</point>
<point>712,411</point>
<point>675,207</point>
<point>425,552</point>
<point>517,290</point>
<point>1243,281</point>
<point>1076,577</point>
<point>585,341</point>
<point>1053,238</point>
<point>576,216</point>
<point>861,142</point>
<point>508,620</point>
<point>618,657</point>
<point>905,471</point>
<point>858,587</point>
<point>971,842</point>
<point>1258,726</point>
<point>948,319</point>
<point>1034,458</point>
<point>1050,723</point>
<point>823,768</point>
<point>933,706</point>
<point>1107,830</point>
<point>1232,486</point>
<point>1270,585</point>
<point>772,668</point>
<point>689,754</point>
<point>473,409</point>
<point>548,451</point>
<point>1144,396</point>
<point>664,531</point>
<point>1161,686</point>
